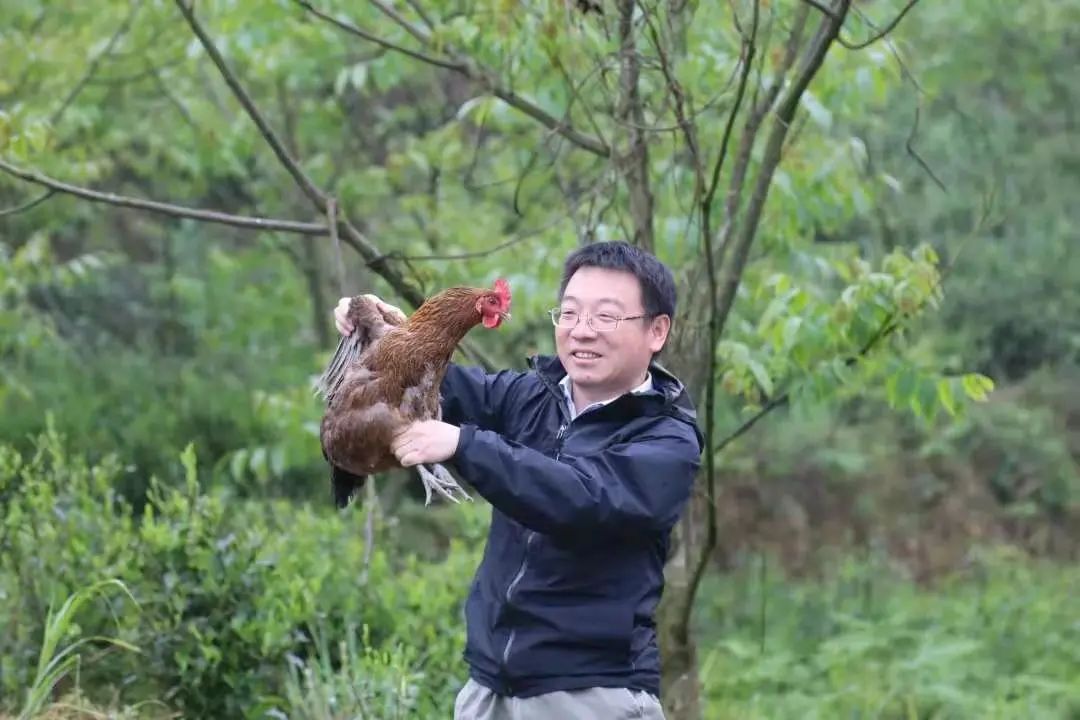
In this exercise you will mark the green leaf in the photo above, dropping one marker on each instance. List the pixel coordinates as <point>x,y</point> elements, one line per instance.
<point>977,386</point>
<point>762,377</point>
<point>946,396</point>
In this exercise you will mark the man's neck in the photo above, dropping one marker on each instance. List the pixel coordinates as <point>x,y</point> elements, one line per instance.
<point>584,398</point>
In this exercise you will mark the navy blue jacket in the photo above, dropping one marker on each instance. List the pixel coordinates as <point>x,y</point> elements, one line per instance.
<point>582,514</point>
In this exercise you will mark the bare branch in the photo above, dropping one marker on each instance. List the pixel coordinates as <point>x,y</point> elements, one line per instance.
<point>181,108</point>
<point>332,223</point>
<point>370,37</point>
<point>305,183</point>
<point>682,116</point>
<point>751,129</point>
<point>474,71</point>
<point>634,161</point>
<point>375,259</point>
<point>30,204</point>
<point>150,70</point>
<point>419,10</point>
<point>822,9</point>
<point>388,10</point>
<point>880,33</point>
<point>785,112</point>
<point>749,50</point>
<point>909,145</point>
<point>95,63</point>
<point>178,211</point>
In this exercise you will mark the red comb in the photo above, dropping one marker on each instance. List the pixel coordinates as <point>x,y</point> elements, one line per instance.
<point>502,288</point>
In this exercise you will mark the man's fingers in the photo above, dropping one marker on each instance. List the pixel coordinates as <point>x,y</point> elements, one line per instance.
<point>401,442</point>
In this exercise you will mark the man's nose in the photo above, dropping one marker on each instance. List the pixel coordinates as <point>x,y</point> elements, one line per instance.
<point>582,329</point>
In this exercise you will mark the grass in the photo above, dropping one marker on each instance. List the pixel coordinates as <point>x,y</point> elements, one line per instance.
<point>56,661</point>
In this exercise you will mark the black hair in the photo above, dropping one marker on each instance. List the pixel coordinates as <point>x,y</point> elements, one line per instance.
<point>656,281</point>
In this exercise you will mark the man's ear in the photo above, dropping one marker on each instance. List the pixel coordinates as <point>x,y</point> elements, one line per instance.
<point>658,332</point>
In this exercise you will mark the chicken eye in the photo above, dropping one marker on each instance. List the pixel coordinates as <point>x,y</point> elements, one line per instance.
<point>491,301</point>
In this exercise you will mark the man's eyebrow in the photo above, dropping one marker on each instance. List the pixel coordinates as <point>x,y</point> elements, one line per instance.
<point>600,301</point>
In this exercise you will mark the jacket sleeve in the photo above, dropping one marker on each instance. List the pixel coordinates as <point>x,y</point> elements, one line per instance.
<point>628,488</point>
<point>469,395</point>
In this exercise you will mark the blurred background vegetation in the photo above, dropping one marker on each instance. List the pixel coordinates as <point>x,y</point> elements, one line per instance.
<point>885,548</point>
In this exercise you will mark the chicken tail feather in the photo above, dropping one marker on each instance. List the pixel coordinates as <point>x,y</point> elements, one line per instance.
<point>344,485</point>
<point>348,350</point>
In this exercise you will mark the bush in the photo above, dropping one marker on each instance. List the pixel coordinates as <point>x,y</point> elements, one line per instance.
<point>997,641</point>
<point>231,591</point>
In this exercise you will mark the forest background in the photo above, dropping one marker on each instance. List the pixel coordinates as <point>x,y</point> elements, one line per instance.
<point>870,209</point>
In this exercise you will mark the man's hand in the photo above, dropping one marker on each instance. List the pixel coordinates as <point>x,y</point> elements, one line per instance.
<point>427,441</point>
<point>389,312</point>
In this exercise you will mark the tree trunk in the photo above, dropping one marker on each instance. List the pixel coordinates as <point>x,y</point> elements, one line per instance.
<point>679,682</point>
<point>632,156</point>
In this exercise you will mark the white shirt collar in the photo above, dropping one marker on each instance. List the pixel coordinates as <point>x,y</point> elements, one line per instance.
<point>568,394</point>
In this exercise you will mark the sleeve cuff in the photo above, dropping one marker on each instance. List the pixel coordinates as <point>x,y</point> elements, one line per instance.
<point>465,438</point>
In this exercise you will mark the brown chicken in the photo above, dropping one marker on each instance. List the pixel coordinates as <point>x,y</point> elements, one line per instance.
<point>387,374</point>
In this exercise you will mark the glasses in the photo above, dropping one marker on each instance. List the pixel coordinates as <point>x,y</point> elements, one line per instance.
<point>602,322</point>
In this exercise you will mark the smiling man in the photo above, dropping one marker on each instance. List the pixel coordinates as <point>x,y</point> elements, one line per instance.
<point>587,461</point>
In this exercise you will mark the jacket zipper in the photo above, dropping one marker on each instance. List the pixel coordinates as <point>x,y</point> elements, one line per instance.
<point>510,589</point>
<point>525,556</point>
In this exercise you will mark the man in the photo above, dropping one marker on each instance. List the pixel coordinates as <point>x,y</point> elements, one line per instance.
<point>587,461</point>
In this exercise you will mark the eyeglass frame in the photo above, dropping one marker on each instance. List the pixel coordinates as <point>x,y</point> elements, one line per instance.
<point>553,312</point>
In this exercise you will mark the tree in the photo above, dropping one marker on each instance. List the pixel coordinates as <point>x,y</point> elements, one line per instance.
<point>409,133</point>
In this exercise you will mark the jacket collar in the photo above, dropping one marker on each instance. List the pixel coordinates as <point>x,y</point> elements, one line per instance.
<point>667,388</point>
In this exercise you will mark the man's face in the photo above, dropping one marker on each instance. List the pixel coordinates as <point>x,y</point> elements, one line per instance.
<point>613,362</point>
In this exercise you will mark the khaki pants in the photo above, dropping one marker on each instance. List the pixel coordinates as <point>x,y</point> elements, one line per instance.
<point>476,702</point>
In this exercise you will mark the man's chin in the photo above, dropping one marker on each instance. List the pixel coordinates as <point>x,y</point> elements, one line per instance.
<point>583,377</point>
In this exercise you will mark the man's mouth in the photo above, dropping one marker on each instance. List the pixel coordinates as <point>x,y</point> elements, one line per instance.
<point>584,355</point>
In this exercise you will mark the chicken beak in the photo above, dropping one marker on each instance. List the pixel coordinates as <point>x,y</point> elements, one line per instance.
<point>505,316</point>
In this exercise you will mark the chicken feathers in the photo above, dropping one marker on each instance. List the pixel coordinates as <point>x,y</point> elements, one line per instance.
<point>387,374</point>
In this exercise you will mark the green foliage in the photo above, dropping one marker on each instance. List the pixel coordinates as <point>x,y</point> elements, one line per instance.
<point>229,589</point>
<point>996,641</point>
<point>141,365</point>
<point>141,336</point>
<point>1023,452</point>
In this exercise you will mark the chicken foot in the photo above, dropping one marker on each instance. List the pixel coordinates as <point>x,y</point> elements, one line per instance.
<point>436,477</point>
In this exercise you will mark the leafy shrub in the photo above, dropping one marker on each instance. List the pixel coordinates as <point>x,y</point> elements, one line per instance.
<point>997,641</point>
<point>231,591</point>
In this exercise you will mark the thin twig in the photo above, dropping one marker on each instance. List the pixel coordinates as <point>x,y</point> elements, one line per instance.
<point>135,77</point>
<point>589,193</point>
<point>179,211</point>
<point>306,185</point>
<point>909,145</point>
<point>370,37</point>
<point>332,223</point>
<point>475,71</point>
<point>95,63</point>
<point>28,205</point>
<point>749,50</point>
<point>881,33</point>
<point>419,10</point>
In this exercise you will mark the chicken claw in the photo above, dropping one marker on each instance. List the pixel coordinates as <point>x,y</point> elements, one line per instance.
<point>439,479</point>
